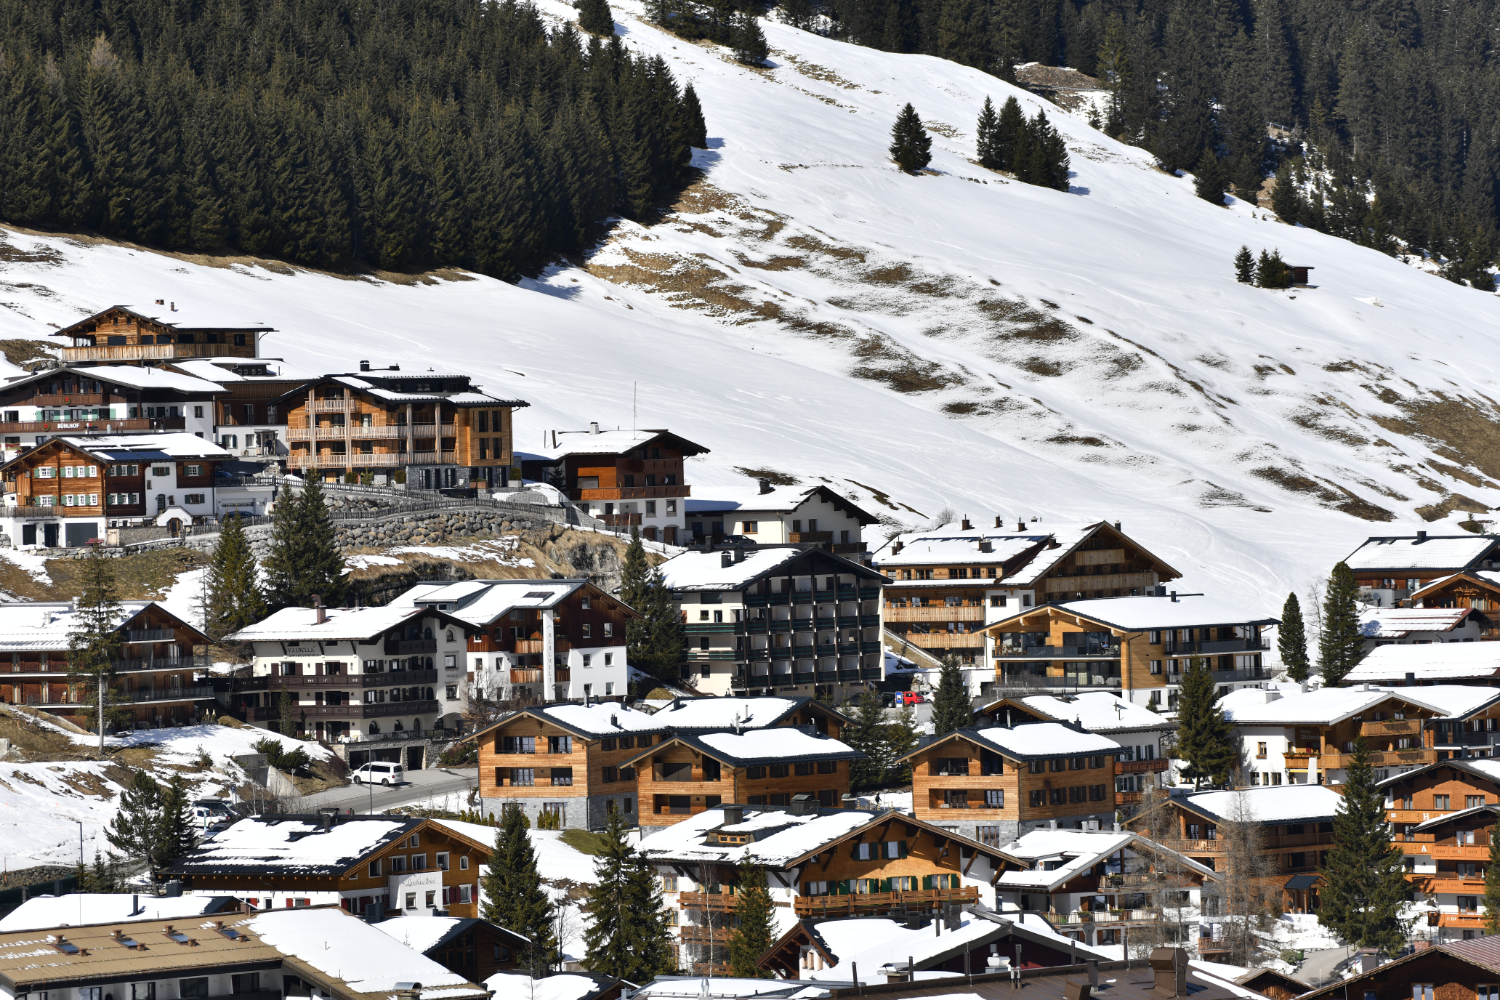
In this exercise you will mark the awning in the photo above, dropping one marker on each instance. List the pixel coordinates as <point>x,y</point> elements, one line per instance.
<point>1302,881</point>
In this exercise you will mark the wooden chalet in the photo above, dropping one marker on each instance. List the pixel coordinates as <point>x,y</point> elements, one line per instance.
<point>473,948</point>
<point>1443,818</point>
<point>948,583</point>
<point>580,761</point>
<point>1273,984</point>
<point>367,865</point>
<point>103,399</point>
<point>627,478</point>
<point>429,429</point>
<point>991,785</point>
<point>1451,970</point>
<point>249,420</point>
<point>1390,569</point>
<point>156,676</point>
<point>1139,646</point>
<point>151,334</point>
<point>686,774</point>
<point>1477,590</point>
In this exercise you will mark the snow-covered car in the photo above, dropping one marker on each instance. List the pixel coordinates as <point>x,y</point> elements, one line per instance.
<point>378,773</point>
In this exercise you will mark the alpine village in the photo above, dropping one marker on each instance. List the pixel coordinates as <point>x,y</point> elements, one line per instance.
<point>1061,556</point>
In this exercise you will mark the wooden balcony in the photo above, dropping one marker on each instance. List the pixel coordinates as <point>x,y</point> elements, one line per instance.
<point>1297,840</point>
<point>538,646</point>
<point>1380,758</point>
<point>107,425</point>
<point>630,493</point>
<point>1114,581</point>
<point>944,640</point>
<point>1140,766</point>
<point>562,675</point>
<point>934,614</point>
<point>1392,727</point>
<point>1448,882</point>
<point>1461,852</point>
<point>719,902</point>
<point>151,352</point>
<point>1467,919</point>
<point>816,906</point>
<point>809,537</point>
<point>1196,846</point>
<point>694,934</point>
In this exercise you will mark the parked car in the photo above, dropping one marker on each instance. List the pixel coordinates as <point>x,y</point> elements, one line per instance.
<point>379,773</point>
<point>912,697</point>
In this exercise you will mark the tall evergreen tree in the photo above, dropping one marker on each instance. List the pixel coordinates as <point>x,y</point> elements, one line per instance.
<point>754,924</point>
<point>595,16</point>
<point>1244,266</point>
<point>750,45</point>
<point>514,895</point>
<point>950,706</point>
<point>868,736</point>
<point>911,146</point>
<point>1205,739</point>
<point>304,558</point>
<point>620,927</point>
<point>1211,179</point>
<point>1291,639</point>
<point>1492,886</point>
<point>135,831</point>
<point>1340,646</point>
<point>286,714</point>
<point>1366,885</point>
<point>1010,135</point>
<point>696,130</point>
<point>1284,199</point>
<point>234,597</point>
<point>176,835</point>
<point>94,641</point>
<point>988,133</point>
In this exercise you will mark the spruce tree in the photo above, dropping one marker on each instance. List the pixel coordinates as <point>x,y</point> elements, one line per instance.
<point>1244,266</point>
<point>304,558</point>
<point>754,927</point>
<point>867,735</point>
<point>607,939</point>
<point>595,17</point>
<point>281,567</point>
<point>1284,200</point>
<point>94,645</point>
<point>634,572</point>
<point>750,45</point>
<point>286,711</point>
<point>136,829</point>
<point>1291,639</point>
<point>1210,179</point>
<point>514,895</point>
<point>696,132</point>
<point>989,133</point>
<point>652,945</point>
<point>1366,886</point>
<point>951,708</point>
<point>234,597</point>
<point>1205,739</point>
<point>1492,884</point>
<point>1010,135</point>
<point>176,835</point>
<point>1340,645</point>
<point>1265,271</point>
<point>911,146</point>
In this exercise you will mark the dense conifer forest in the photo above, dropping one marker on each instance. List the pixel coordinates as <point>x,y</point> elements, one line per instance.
<point>398,133</point>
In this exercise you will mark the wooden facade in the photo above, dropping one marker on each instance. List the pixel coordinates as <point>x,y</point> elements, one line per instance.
<point>1289,847</point>
<point>1449,856</point>
<point>124,335</point>
<point>476,949</point>
<point>91,401</point>
<point>1465,590</point>
<point>586,618</point>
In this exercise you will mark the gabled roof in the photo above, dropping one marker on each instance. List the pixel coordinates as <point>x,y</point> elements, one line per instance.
<point>129,448</point>
<point>482,602</point>
<point>187,318</point>
<point>423,933</point>
<point>1324,706</point>
<point>780,744</point>
<point>26,625</point>
<point>1026,742</point>
<point>1477,812</point>
<point>1398,623</point>
<point>364,383</point>
<point>683,715</point>
<point>1096,711</point>
<point>782,500</point>
<point>43,912</point>
<point>230,370</point>
<point>612,443</point>
<point>1485,578</point>
<point>1483,952</point>
<point>1428,661</point>
<point>1486,768</point>
<point>340,624</point>
<point>1076,852</point>
<point>130,376</point>
<point>1259,979</point>
<point>1141,614</point>
<point>1413,553</point>
<point>696,570</point>
<point>1265,805</point>
<point>292,845</point>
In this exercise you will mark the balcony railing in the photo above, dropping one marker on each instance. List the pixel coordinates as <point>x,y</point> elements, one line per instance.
<point>194,693</point>
<point>107,425</point>
<point>352,710</point>
<point>1040,682</point>
<point>809,906</point>
<point>695,934</point>
<point>1216,646</point>
<point>395,678</point>
<point>631,493</point>
<point>150,635</point>
<point>934,614</point>
<point>519,676</point>
<point>524,646</point>
<point>1139,766</point>
<point>944,640</point>
<point>1395,727</point>
<point>1380,758</point>
<point>1058,652</point>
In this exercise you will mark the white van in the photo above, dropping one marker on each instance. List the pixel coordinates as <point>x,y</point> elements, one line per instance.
<point>379,773</point>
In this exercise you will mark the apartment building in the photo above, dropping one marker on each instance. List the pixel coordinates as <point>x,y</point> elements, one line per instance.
<point>996,783</point>
<point>1143,735</point>
<point>1138,646</point>
<point>248,421</point>
<point>685,774</point>
<point>103,399</point>
<point>796,515</point>
<point>782,618</point>
<point>547,640</point>
<point>949,583</point>
<point>580,761</point>
<point>157,677</point>
<point>819,864</point>
<point>1404,626</point>
<point>160,332</point>
<point>1390,569</point>
<point>356,673</point>
<point>69,490</point>
<point>432,430</point>
<point>1446,859</point>
<point>366,865</point>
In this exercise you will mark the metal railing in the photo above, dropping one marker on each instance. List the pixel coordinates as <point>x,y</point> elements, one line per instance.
<point>150,635</point>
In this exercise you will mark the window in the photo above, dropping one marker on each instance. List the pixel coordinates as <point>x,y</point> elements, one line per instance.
<point>466,893</point>
<point>161,470</point>
<point>950,766</point>
<point>518,744</point>
<point>192,987</point>
<point>1421,991</point>
<point>609,630</point>
<point>413,840</point>
<point>1440,802</point>
<point>523,777</point>
<point>1473,801</point>
<point>750,527</point>
<point>375,868</point>
<point>994,798</point>
<point>398,863</point>
<point>1038,797</point>
<point>559,744</point>
<point>193,498</point>
<point>146,991</point>
<point>1096,793</point>
<point>1059,796</point>
<point>828,767</point>
<point>610,775</point>
<point>562,776</point>
<point>588,630</point>
<point>419,862</point>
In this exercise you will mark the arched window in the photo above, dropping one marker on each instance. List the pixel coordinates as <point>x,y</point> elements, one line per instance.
<point>374,728</point>
<point>397,727</point>
<point>431,664</point>
<point>427,633</point>
<point>450,635</point>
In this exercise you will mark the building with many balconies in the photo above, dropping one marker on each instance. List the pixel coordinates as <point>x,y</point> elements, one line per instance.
<point>249,422</point>
<point>147,335</point>
<point>156,677</point>
<point>783,618</point>
<point>794,515</point>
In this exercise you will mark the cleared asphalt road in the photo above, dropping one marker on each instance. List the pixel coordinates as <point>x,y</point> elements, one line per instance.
<point>1317,968</point>
<point>419,785</point>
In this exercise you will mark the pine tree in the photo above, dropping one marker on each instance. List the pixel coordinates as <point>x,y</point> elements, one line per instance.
<point>988,132</point>
<point>1244,266</point>
<point>514,895</point>
<point>607,938</point>
<point>754,927</point>
<point>1205,739</point>
<point>1284,199</point>
<point>696,132</point>
<point>635,572</point>
<point>750,45</point>
<point>867,735</point>
<point>1210,180</point>
<point>1291,639</point>
<point>911,146</point>
<point>652,945</point>
<point>1340,646</point>
<point>176,836</point>
<point>594,16</point>
<point>950,706</point>
<point>304,559</point>
<point>1492,885</point>
<point>234,597</point>
<point>94,644</point>
<point>653,641</point>
<point>1365,882</point>
<point>1010,135</point>
<point>136,829</point>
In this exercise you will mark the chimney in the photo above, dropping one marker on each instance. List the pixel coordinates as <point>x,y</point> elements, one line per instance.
<point>896,549</point>
<point>1411,679</point>
<point>614,720</point>
<point>1117,525</point>
<point>1020,525</point>
<point>322,612</point>
<point>739,555</point>
<point>726,559</point>
<point>554,439</point>
<point>174,307</point>
<point>1174,597</point>
<point>1421,537</point>
<point>997,520</point>
<point>593,427</point>
<point>364,366</point>
<point>966,525</point>
<point>765,485</point>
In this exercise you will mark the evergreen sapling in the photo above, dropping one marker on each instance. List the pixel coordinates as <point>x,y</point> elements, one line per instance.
<point>911,146</point>
<point>1244,266</point>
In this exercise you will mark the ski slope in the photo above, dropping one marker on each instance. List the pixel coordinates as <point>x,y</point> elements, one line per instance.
<point>953,341</point>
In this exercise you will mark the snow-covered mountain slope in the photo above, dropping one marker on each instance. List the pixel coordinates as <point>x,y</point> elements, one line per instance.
<point>953,341</point>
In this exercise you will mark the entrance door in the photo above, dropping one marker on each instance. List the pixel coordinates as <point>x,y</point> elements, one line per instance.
<point>414,758</point>
<point>49,535</point>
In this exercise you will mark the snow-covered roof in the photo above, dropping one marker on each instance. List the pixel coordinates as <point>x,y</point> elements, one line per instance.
<point>1029,741</point>
<point>222,370</point>
<point>1140,614</point>
<point>1452,701</point>
<point>872,943</point>
<point>1408,553</point>
<point>174,445</point>
<point>1275,805</point>
<point>778,501</point>
<point>1398,623</point>
<point>1484,767</point>
<point>291,845</point>
<point>727,712</point>
<point>424,932</point>
<point>607,442</point>
<point>1324,706</point>
<point>466,398</point>
<point>699,570</point>
<point>181,315</point>
<point>1068,852</point>
<point>1428,661</point>
<point>134,376</point>
<point>341,624</point>
<point>781,836</point>
<point>563,986</point>
<point>344,947</point>
<point>1097,711</point>
<point>1459,816</point>
<point>26,625</point>
<point>766,746</point>
<point>480,602</point>
<point>76,908</point>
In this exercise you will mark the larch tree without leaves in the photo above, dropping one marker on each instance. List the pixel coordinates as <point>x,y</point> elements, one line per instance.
<point>1366,883</point>
<point>911,146</point>
<point>1291,639</point>
<point>1340,645</point>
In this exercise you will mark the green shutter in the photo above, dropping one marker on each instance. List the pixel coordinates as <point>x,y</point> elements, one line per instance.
<point>841,888</point>
<point>927,882</point>
<point>902,849</point>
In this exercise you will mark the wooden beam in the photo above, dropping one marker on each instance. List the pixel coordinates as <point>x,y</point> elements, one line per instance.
<point>972,855</point>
